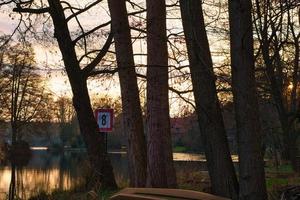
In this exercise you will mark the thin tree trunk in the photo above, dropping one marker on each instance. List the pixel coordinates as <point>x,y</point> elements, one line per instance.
<point>14,133</point>
<point>12,185</point>
<point>161,172</point>
<point>212,130</point>
<point>131,108</point>
<point>251,163</point>
<point>102,170</point>
<point>13,104</point>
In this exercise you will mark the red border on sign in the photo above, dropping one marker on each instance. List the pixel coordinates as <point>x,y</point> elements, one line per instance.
<point>109,110</point>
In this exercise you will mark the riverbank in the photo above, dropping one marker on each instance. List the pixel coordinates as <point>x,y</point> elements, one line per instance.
<point>74,195</point>
<point>277,180</point>
<point>63,175</point>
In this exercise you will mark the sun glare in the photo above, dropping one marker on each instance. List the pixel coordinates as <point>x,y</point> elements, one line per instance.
<point>59,86</point>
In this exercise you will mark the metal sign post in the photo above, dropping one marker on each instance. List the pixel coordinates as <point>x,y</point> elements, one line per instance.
<point>104,118</point>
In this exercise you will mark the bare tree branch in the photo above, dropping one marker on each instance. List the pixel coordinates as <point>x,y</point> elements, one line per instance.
<point>80,26</point>
<point>12,34</point>
<point>83,10</point>
<point>88,69</point>
<point>6,2</point>
<point>31,10</point>
<point>179,93</point>
<point>90,32</point>
<point>104,71</point>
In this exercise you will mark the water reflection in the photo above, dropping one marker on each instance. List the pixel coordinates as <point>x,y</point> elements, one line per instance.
<point>196,157</point>
<point>46,171</point>
<point>22,183</point>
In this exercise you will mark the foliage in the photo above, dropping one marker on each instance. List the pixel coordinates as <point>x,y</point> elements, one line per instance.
<point>64,110</point>
<point>108,102</point>
<point>23,96</point>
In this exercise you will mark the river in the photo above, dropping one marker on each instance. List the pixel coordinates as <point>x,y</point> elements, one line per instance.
<point>46,171</point>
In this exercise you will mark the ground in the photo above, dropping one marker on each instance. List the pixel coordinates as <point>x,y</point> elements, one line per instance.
<point>277,180</point>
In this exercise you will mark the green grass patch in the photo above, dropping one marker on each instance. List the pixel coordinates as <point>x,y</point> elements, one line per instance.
<point>286,168</point>
<point>271,182</point>
<point>276,186</point>
<point>279,182</point>
<point>179,149</point>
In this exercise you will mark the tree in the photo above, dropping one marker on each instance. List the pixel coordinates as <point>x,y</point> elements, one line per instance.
<point>2,76</point>
<point>65,114</point>
<point>108,102</point>
<point>277,29</point>
<point>132,113</point>
<point>212,130</point>
<point>78,74</point>
<point>64,110</point>
<point>161,172</point>
<point>251,163</point>
<point>24,95</point>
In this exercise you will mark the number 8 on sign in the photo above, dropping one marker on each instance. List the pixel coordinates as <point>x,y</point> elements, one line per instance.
<point>104,120</point>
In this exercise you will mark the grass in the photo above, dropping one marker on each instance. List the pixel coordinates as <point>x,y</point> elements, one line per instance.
<point>271,182</point>
<point>275,185</point>
<point>284,175</point>
<point>278,179</point>
<point>179,149</point>
<point>285,168</point>
<point>72,195</point>
<point>191,179</point>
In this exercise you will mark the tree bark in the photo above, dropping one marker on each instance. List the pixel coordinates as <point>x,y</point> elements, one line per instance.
<point>251,163</point>
<point>131,108</point>
<point>212,130</point>
<point>102,170</point>
<point>161,172</point>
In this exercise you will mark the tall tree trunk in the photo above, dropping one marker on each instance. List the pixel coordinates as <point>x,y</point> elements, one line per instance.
<point>101,166</point>
<point>251,163</point>
<point>220,166</point>
<point>131,108</point>
<point>161,172</point>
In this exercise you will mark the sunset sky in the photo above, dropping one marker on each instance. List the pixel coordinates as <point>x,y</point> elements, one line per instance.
<point>47,54</point>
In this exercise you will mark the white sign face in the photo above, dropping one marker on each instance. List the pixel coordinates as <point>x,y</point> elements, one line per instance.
<point>104,120</point>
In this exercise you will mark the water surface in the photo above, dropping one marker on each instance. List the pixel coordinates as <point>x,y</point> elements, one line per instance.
<point>46,171</point>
